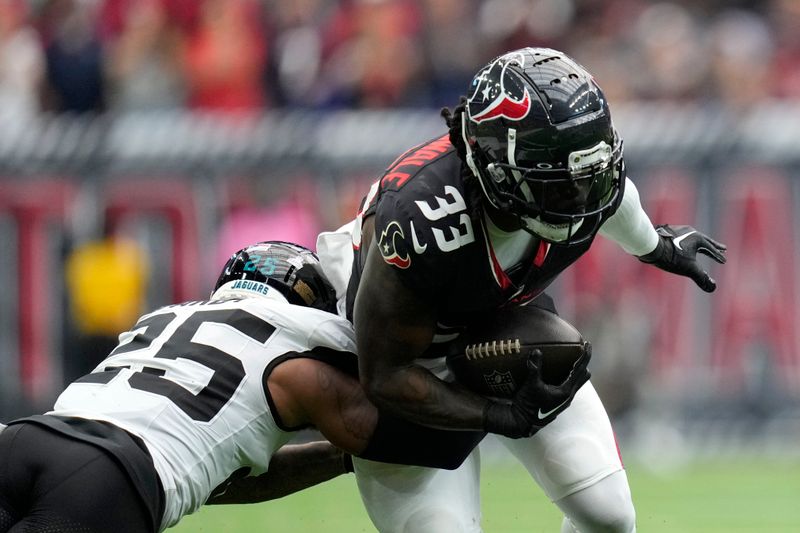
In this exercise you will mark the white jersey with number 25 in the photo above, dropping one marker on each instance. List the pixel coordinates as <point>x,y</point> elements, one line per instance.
<point>188,380</point>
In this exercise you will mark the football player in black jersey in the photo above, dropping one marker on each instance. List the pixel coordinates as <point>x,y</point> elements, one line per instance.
<point>487,216</point>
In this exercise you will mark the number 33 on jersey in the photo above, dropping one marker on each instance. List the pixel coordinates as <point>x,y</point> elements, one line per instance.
<point>447,225</point>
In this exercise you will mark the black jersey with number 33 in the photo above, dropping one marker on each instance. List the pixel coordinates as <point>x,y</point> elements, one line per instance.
<point>430,227</point>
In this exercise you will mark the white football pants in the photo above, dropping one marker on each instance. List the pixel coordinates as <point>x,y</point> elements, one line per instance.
<point>574,459</point>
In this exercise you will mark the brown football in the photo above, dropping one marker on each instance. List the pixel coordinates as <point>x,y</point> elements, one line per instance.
<point>495,349</point>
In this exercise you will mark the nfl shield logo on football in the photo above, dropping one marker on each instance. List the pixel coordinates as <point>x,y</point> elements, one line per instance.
<point>501,383</point>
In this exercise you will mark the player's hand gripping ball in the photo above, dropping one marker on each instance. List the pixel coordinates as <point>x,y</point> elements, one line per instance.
<point>495,351</point>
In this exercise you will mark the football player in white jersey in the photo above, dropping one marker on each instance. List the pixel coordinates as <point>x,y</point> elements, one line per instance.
<point>196,397</point>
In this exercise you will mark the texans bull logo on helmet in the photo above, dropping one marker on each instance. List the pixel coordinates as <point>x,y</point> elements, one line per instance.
<point>499,91</point>
<point>388,246</point>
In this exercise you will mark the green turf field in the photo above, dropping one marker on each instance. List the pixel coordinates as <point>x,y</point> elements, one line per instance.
<point>724,497</point>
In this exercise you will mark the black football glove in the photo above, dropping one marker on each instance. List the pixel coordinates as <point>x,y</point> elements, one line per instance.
<point>677,251</point>
<point>536,403</point>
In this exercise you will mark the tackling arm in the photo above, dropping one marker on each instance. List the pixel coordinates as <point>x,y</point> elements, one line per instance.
<point>292,469</point>
<point>309,392</point>
<point>306,392</point>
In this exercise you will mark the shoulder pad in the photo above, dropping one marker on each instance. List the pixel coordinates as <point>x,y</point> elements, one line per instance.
<point>408,165</point>
<point>421,227</point>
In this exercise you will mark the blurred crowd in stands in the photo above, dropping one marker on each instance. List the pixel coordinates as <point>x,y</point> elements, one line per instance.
<point>244,56</point>
<point>248,56</point>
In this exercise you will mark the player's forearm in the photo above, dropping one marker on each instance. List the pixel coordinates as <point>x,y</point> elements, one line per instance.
<point>292,468</point>
<point>630,227</point>
<point>415,394</point>
<point>394,326</point>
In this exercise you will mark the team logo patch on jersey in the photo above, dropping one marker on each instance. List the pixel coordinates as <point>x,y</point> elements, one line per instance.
<point>499,91</point>
<point>389,246</point>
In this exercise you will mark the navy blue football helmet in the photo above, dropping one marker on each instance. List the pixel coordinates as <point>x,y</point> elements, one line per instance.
<point>540,140</point>
<point>290,269</point>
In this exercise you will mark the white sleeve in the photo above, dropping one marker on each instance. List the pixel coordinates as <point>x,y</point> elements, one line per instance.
<point>335,252</point>
<point>334,332</point>
<point>630,227</point>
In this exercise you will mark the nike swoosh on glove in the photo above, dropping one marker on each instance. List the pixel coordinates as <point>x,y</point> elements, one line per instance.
<point>536,403</point>
<point>677,251</point>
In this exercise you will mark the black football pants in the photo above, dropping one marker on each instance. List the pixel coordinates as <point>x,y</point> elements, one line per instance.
<point>50,483</point>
